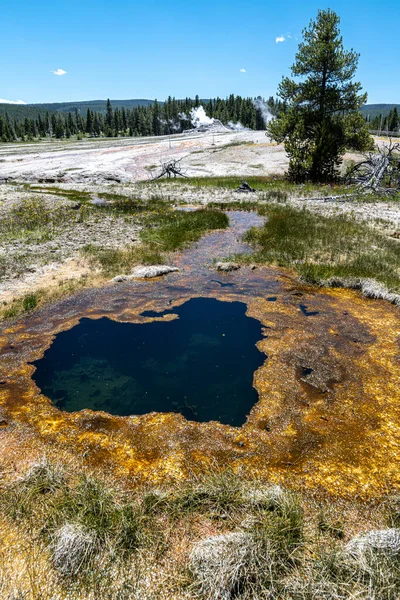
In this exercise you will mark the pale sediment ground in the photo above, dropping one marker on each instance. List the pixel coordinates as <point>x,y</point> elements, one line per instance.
<point>120,167</point>
<point>132,159</point>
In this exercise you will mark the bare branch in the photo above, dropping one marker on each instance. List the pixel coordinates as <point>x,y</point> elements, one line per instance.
<point>380,172</point>
<point>169,169</point>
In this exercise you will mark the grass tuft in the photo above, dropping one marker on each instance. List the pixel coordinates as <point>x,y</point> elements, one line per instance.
<point>29,302</point>
<point>117,260</point>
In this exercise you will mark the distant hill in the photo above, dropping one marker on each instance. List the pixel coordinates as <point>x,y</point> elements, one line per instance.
<point>31,111</point>
<point>374,110</point>
<point>95,105</point>
<point>20,111</point>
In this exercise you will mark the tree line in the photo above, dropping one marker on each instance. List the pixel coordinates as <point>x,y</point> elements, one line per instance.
<point>171,116</point>
<point>390,122</point>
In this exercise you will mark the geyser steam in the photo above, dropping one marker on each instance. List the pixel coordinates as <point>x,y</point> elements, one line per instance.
<point>262,106</point>
<point>198,117</point>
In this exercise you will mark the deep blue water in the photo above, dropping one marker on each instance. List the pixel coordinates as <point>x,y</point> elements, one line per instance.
<point>200,365</point>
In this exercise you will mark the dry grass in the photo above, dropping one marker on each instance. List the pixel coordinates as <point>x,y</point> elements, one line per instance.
<point>34,220</point>
<point>34,300</point>
<point>217,536</point>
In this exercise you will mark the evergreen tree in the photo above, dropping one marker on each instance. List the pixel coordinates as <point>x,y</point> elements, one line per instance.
<point>156,124</point>
<point>71,124</point>
<point>394,120</point>
<point>59,128</point>
<point>96,125</point>
<point>109,119</point>
<point>89,122</point>
<point>322,116</point>
<point>124,120</point>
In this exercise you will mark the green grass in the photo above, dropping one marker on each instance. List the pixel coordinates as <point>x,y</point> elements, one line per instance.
<point>320,247</point>
<point>264,184</point>
<point>233,145</point>
<point>177,229</point>
<point>73,195</point>
<point>115,261</point>
<point>29,302</point>
<point>129,205</point>
<point>250,204</point>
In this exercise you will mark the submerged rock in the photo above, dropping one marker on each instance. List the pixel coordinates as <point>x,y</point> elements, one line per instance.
<point>385,541</point>
<point>227,266</point>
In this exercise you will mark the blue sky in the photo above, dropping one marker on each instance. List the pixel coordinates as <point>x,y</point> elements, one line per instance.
<point>153,48</point>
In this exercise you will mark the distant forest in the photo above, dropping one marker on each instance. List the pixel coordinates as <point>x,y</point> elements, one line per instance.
<point>145,118</point>
<point>384,120</point>
<point>140,117</point>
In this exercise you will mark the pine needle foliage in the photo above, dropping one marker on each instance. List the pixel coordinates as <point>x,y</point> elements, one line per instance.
<point>322,115</point>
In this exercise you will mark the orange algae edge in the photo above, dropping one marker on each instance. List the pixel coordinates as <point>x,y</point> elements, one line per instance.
<point>328,415</point>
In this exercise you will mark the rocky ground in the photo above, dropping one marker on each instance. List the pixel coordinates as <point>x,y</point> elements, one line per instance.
<point>32,257</point>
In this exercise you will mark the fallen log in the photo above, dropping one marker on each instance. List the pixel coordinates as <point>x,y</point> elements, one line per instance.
<point>379,172</point>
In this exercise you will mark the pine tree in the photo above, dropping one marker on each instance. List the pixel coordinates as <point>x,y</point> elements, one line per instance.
<point>394,120</point>
<point>124,120</point>
<point>109,119</point>
<point>89,122</point>
<point>156,125</point>
<point>322,116</point>
<point>96,125</point>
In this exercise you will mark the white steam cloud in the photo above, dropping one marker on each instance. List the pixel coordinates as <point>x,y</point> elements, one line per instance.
<point>198,117</point>
<point>264,110</point>
<point>3,101</point>
<point>237,126</point>
<point>173,125</point>
<point>59,72</point>
<point>243,70</point>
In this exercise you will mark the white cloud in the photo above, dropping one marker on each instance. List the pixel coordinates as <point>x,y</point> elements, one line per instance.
<point>59,72</point>
<point>243,70</point>
<point>284,38</point>
<point>2,101</point>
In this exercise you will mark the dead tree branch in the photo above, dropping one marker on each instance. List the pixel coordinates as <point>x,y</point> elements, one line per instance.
<point>169,169</point>
<point>379,172</point>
